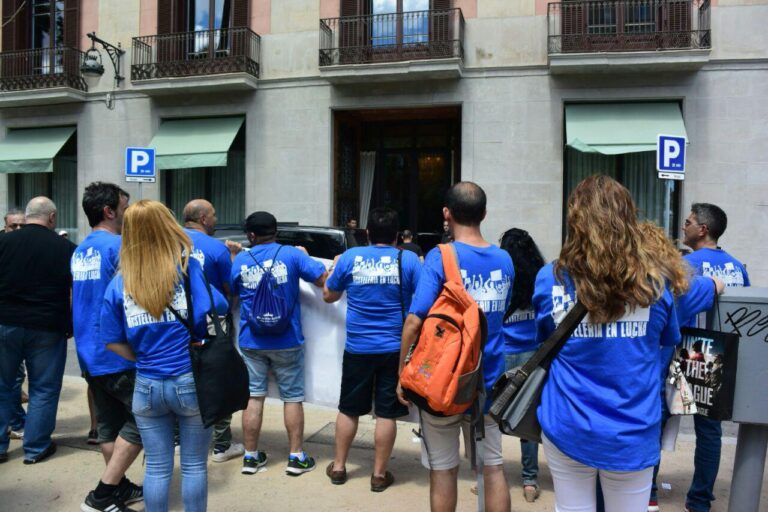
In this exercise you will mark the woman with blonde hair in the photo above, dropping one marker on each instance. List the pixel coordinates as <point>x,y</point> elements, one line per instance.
<point>600,409</point>
<point>141,320</point>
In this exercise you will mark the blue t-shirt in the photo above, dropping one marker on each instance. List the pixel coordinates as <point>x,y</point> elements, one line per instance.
<point>720,264</point>
<point>488,276</point>
<point>601,404</point>
<point>290,266</point>
<point>374,306</point>
<point>161,344</point>
<point>214,256</point>
<point>520,332</point>
<point>93,265</point>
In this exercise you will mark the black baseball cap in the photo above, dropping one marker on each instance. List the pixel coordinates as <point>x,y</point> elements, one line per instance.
<point>261,224</point>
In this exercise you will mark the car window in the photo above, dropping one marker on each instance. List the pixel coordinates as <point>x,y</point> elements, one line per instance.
<point>319,244</point>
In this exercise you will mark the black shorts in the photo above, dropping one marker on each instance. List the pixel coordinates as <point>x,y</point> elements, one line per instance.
<point>113,399</point>
<point>367,378</point>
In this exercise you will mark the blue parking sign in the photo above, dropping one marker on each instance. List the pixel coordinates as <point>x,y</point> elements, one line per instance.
<point>670,156</point>
<point>140,165</point>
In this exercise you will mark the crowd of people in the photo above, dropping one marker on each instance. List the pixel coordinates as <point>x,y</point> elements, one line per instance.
<point>135,278</point>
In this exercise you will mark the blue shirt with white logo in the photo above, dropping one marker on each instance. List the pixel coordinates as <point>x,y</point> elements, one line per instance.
<point>488,276</point>
<point>290,266</point>
<point>93,265</point>
<point>375,298</point>
<point>720,264</point>
<point>601,405</point>
<point>214,256</point>
<point>161,344</point>
<point>520,332</point>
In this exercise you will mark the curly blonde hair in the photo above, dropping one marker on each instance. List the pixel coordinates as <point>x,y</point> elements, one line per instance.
<point>674,269</point>
<point>604,252</point>
<point>153,249</point>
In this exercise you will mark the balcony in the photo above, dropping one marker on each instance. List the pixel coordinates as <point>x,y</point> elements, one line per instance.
<point>207,60</point>
<point>587,36</point>
<point>413,45</point>
<point>41,76</point>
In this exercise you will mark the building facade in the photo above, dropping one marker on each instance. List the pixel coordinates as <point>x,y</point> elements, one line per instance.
<point>318,110</point>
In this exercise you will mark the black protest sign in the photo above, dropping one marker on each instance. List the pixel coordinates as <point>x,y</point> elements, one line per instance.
<point>708,360</point>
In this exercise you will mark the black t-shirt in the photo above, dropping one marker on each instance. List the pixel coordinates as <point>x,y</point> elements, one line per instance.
<point>410,246</point>
<point>35,279</point>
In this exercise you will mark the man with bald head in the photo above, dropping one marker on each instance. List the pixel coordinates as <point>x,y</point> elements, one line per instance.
<point>213,255</point>
<point>35,322</point>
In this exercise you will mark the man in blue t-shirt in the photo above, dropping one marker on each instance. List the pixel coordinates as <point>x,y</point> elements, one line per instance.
<point>701,232</point>
<point>379,280</point>
<point>110,377</point>
<point>488,276</point>
<point>213,255</point>
<point>282,352</point>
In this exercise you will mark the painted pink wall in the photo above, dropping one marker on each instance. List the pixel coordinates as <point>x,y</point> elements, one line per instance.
<point>89,21</point>
<point>261,16</point>
<point>148,18</point>
<point>468,7</point>
<point>541,7</point>
<point>330,8</point>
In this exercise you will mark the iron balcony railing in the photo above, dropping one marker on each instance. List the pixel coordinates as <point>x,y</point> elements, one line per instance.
<point>395,37</point>
<point>41,68</point>
<point>205,52</point>
<point>578,26</point>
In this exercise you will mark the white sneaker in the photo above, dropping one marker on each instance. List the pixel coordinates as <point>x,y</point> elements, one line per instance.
<point>235,450</point>
<point>16,434</point>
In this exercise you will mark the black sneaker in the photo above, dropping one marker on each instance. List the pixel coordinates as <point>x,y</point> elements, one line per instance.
<point>251,465</point>
<point>298,467</point>
<point>93,437</point>
<point>108,504</point>
<point>128,492</point>
<point>42,456</point>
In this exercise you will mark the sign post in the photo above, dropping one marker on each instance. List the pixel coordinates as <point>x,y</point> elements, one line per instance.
<point>140,166</point>
<point>670,162</point>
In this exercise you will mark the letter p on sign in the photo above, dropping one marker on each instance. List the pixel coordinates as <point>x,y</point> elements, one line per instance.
<point>670,156</point>
<point>140,164</point>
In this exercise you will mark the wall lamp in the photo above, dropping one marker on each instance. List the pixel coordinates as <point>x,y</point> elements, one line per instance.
<point>92,66</point>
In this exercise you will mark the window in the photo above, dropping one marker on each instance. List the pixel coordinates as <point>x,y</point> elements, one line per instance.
<point>209,15</point>
<point>401,22</point>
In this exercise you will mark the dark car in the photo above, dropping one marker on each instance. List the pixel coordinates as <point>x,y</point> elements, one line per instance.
<point>319,241</point>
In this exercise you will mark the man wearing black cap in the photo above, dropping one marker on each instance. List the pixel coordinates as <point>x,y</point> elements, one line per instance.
<point>280,350</point>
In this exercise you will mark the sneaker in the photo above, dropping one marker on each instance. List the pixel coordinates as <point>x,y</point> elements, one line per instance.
<point>3,457</point>
<point>235,450</point>
<point>128,492</point>
<point>653,506</point>
<point>251,465</point>
<point>42,456</point>
<point>93,437</point>
<point>530,493</point>
<point>298,467</point>
<point>16,434</point>
<point>108,504</point>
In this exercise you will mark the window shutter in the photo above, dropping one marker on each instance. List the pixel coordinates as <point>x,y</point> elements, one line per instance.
<point>678,33</point>
<point>72,23</point>
<point>170,16</point>
<point>241,13</point>
<point>573,28</point>
<point>16,32</point>
<point>9,39</point>
<point>439,5</point>
<point>351,7</point>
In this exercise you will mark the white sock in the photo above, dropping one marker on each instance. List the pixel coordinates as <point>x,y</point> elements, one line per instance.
<point>299,455</point>
<point>254,454</point>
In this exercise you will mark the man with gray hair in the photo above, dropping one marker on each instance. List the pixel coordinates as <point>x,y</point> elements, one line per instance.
<point>14,219</point>
<point>35,322</point>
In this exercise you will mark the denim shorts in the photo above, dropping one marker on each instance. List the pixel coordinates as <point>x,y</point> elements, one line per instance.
<point>286,364</point>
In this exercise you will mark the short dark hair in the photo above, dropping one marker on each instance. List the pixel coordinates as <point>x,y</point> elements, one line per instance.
<point>97,195</point>
<point>407,233</point>
<point>13,211</point>
<point>711,216</point>
<point>466,201</point>
<point>383,225</point>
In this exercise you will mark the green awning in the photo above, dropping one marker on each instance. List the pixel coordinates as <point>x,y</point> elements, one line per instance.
<point>185,143</point>
<point>618,128</point>
<point>32,149</point>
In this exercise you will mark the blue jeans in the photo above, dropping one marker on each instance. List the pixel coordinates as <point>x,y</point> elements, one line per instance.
<point>157,405</point>
<point>706,463</point>
<point>44,353</point>
<point>529,450</point>
<point>19,418</point>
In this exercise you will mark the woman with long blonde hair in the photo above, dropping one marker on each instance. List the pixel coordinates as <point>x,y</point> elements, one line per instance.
<point>144,319</point>
<point>600,410</point>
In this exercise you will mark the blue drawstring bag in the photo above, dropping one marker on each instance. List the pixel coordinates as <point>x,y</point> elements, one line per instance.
<point>270,312</point>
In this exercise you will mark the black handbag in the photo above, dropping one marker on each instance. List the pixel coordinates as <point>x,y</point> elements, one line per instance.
<point>221,377</point>
<point>517,393</point>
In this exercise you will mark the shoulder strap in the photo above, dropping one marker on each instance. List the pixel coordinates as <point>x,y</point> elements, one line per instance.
<point>188,322</point>
<point>400,280</point>
<point>274,258</point>
<point>557,339</point>
<point>451,263</point>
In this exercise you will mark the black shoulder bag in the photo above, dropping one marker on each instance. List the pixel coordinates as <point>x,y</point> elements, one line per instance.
<point>221,377</point>
<point>517,393</point>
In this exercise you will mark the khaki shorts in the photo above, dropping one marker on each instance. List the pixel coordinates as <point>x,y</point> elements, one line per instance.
<point>440,441</point>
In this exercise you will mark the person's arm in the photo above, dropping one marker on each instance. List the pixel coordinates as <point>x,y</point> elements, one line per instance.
<point>124,350</point>
<point>719,285</point>
<point>334,286</point>
<point>308,268</point>
<point>411,330</point>
<point>331,296</point>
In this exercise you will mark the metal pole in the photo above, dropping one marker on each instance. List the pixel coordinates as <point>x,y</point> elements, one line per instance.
<point>141,196</point>
<point>668,205</point>
<point>748,468</point>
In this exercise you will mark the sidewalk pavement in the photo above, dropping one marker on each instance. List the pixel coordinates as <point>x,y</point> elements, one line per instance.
<point>61,482</point>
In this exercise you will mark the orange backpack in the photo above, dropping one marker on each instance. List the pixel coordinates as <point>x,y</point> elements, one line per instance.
<point>442,371</point>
